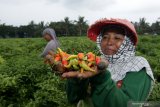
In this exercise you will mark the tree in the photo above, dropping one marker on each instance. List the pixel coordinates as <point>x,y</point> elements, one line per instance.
<point>82,24</point>
<point>67,25</point>
<point>58,27</point>
<point>143,26</point>
<point>7,30</point>
<point>156,27</point>
<point>31,29</point>
<point>39,28</point>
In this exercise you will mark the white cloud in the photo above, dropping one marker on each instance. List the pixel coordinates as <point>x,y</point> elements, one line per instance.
<point>92,5</point>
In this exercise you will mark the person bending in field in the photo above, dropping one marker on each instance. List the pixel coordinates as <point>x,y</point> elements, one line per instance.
<point>53,43</point>
<point>127,77</point>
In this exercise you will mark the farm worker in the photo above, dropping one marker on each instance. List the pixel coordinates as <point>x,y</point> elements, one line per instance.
<point>127,77</point>
<point>53,43</point>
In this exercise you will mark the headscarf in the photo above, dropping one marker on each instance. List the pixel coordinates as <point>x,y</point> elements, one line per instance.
<point>124,60</point>
<point>52,33</point>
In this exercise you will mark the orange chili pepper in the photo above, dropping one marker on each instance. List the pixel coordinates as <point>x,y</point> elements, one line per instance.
<point>57,59</point>
<point>80,56</point>
<point>90,56</point>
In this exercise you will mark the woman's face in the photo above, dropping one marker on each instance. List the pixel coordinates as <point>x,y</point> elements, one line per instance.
<point>111,42</point>
<point>47,37</point>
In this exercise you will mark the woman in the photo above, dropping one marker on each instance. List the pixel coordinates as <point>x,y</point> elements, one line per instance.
<point>53,43</point>
<point>127,77</point>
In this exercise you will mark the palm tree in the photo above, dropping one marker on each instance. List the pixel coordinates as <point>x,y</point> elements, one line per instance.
<point>143,26</point>
<point>81,23</point>
<point>156,27</point>
<point>67,23</point>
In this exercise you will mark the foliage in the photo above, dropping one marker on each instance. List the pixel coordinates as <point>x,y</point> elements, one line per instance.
<point>27,82</point>
<point>155,94</point>
<point>69,27</point>
<point>25,79</point>
<point>149,47</point>
<point>1,60</point>
<point>63,28</point>
<point>143,27</point>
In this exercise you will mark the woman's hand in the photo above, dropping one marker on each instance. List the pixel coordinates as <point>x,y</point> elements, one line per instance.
<point>77,74</point>
<point>59,68</point>
<point>101,67</point>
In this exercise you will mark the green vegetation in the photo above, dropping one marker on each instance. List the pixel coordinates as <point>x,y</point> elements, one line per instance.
<point>27,82</point>
<point>67,27</point>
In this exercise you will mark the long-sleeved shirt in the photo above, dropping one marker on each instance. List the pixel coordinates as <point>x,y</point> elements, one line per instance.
<point>104,91</point>
<point>50,46</point>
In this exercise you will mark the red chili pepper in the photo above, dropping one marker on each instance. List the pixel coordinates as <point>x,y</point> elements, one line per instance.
<point>64,62</point>
<point>98,60</point>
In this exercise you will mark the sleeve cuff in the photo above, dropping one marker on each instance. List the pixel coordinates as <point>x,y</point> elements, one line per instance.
<point>100,78</point>
<point>76,80</point>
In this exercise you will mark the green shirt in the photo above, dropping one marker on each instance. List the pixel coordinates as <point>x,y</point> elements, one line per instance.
<point>104,91</point>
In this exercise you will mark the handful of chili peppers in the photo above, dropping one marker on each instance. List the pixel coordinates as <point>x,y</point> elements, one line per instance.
<point>80,62</point>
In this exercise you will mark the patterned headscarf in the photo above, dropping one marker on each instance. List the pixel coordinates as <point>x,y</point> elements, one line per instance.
<point>124,60</point>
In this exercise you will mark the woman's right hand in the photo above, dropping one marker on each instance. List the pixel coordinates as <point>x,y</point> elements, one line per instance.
<point>101,67</point>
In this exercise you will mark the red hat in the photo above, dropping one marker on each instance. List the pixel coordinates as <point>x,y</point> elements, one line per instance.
<point>94,29</point>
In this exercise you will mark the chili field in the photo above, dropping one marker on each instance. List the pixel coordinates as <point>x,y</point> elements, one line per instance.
<point>25,81</point>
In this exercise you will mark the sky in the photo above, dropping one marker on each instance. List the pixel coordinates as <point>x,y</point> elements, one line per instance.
<point>21,12</point>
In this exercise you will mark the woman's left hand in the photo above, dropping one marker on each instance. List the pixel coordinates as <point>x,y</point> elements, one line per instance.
<point>101,67</point>
<point>77,74</point>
